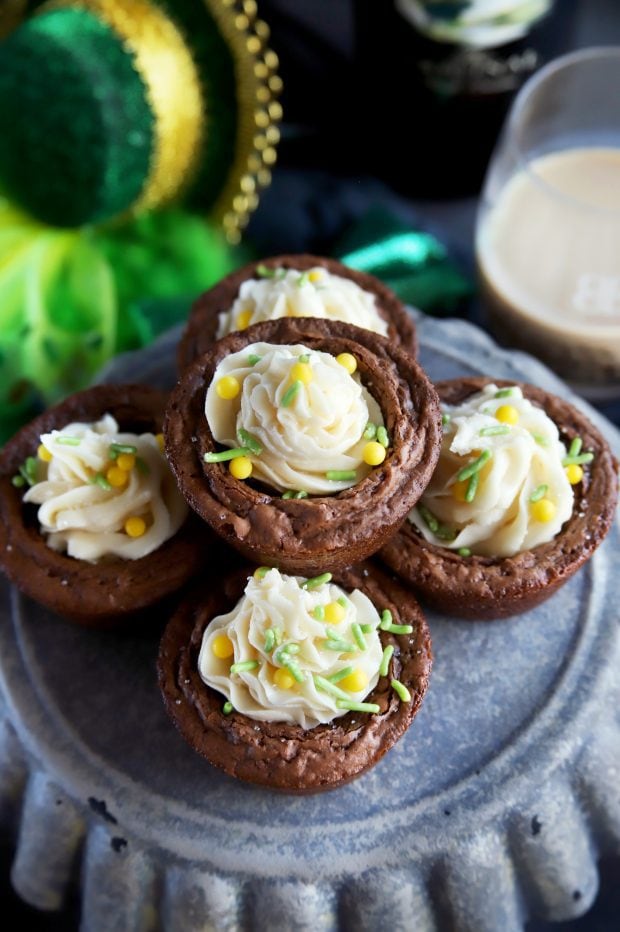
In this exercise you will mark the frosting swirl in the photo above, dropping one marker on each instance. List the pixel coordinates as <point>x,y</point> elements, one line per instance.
<point>290,293</point>
<point>83,514</point>
<point>278,603</point>
<point>320,430</point>
<point>520,455</point>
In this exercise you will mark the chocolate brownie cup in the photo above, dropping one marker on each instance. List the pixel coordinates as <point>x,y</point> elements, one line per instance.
<point>112,589</point>
<point>472,585</point>
<point>283,755</point>
<point>205,325</point>
<point>292,529</point>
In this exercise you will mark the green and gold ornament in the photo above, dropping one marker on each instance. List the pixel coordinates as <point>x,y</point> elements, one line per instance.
<point>112,113</point>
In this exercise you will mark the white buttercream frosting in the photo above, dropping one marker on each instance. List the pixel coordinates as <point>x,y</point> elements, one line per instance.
<point>278,602</point>
<point>501,520</point>
<point>319,431</point>
<point>476,23</point>
<point>291,293</point>
<point>85,520</point>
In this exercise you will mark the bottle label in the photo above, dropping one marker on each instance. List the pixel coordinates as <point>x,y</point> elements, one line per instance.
<point>476,24</point>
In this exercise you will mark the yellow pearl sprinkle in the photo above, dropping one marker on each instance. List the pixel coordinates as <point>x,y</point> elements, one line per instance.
<point>241,467</point>
<point>543,510</point>
<point>222,647</point>
<point>126,461</point>
<point>507,414</point>
<point>316,275</point>
<point>354,682</point>
<point>228,387</point>
<point>574,473</point>
<point>44,454</point>
<point>373,453</point>
<point>347,361</point>
<point>135,526</point>
<point>334,613</point>
<point>159,438</point>
<point>283,679</point>
<point>302,372</point>
<point>117,478</point>
<point>243,319</point>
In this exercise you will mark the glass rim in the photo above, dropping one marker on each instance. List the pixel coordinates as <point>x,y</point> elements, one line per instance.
<point>562,62</point>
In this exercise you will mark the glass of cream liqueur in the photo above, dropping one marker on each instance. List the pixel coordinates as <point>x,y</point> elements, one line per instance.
<point>548,230</point>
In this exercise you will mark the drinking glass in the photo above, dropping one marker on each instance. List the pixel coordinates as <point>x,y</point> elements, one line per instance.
<point>548,228</point>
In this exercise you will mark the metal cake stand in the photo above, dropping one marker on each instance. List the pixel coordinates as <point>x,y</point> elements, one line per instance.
<point>492,809</point>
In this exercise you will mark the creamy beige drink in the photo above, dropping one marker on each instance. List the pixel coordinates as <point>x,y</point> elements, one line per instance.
<point>549,258</point>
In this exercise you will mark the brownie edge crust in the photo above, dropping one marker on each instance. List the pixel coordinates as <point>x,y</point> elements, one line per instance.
<point>280,755</point>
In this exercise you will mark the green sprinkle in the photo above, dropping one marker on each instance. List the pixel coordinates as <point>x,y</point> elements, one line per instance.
<point>445,533</point>
<point>468,471</point>
<point>303,279</point>
<point>244,666</point>
<point>340,475</point>
<point>386,619</point>
<point>65,441</point>
<point>266,272</point>
<point>342,601</point>
<point>290,665</point>
<point>504,393</point>
<point>18,481</point>
<point>429,519</point>
<point>368,629</point>
<point>288,494</point>
<point>290,394</point>
<point>495,431</point>
<point>575,447</point>
<point>270,640</point>
<point>227,708</point>
<point>401,690</point>
<point>382,436</point>
<point>370,431</point>
<point>318,612</point>
<point>117,448</point>
<point>316,581</point>
<point>142,466</point>
<point>398,629</point>
<point>279,635</point>
<point>328,687</point>
<point>225,455</point>
<point>291,648</point>
<point>445,419</point>
<point>340,674</point>
<point>357,706</point>
<point>253,358</point>
<point>385,660</point>
<point>541,440</point>
<point>300,494</point>
<point>538,493</point>
<point>464,552</point>
<point>578,460</point>
<point>100,480</point>
<point>337,644</point>
<point>262,571</point>
<point>356,631</point>
<point>292,494</point>
<point>305,357</point>
<point>250,442</point>
<point>472,487</point>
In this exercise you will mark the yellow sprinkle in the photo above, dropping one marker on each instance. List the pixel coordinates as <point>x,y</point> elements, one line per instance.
<point>354,682</point>
<point>228,387</point>
<point>283,679</point>
<point>348,361</point>
<point>243,319</point>
<point>160,441</point>
<point>334,613</point>
<point>135,526</point>
<point>117,478</point>
<point>507,414</point>
<point>543,510</point>
<point>302,372</point>
<point>459,489</point>
<point>373,453</point>
<point>222,647</point>
<point>44,454</point>
<point>316,275</point>
<point>126,461</point>
<point>574,473</point>
<point>241,467</point>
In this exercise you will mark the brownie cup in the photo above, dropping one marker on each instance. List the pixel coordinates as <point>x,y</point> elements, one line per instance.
<point>304,535</point>
<point>282,755</point>
<point>481,587</point>
<point>109,591</point>
<point>201,331</point>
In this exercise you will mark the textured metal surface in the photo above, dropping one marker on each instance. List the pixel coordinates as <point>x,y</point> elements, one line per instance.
<point>494,807</point>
